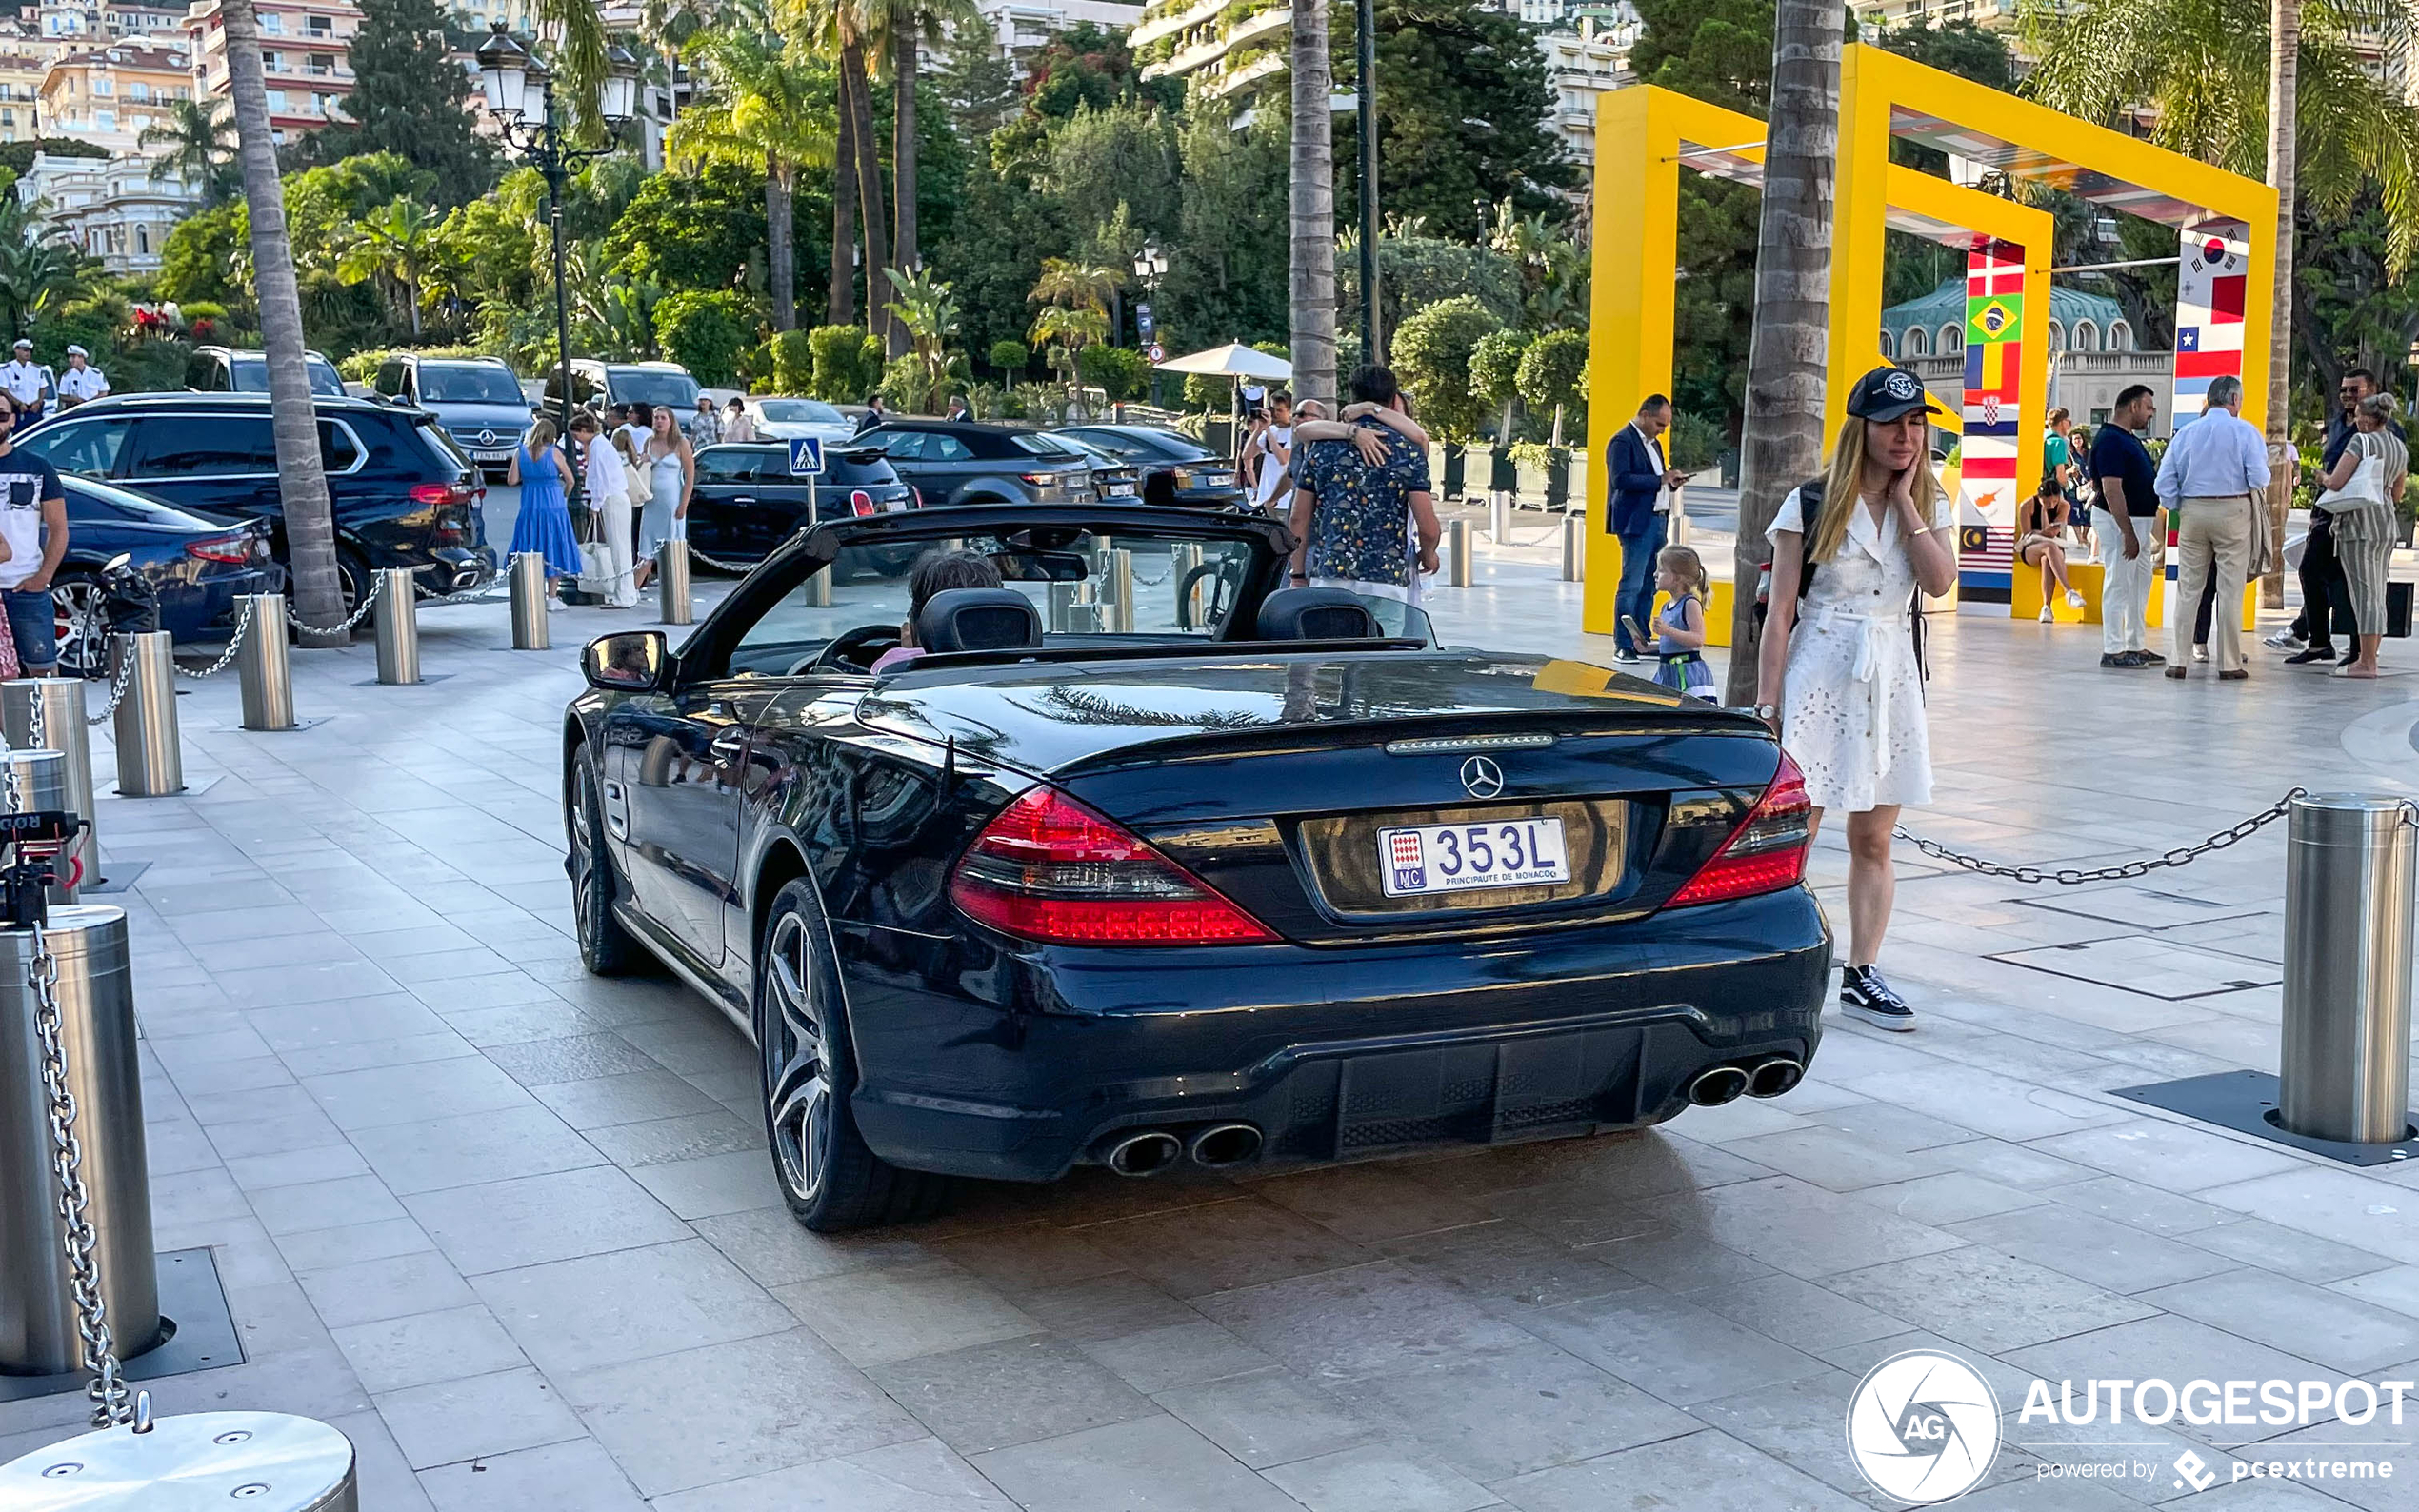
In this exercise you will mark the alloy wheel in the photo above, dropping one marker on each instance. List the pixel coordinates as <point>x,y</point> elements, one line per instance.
<point>583,827</point>
<point>798,1073</point>
<point>81,626</point>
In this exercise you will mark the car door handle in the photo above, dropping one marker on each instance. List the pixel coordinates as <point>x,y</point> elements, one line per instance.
<point>742,498</point>
<point>729,743</point>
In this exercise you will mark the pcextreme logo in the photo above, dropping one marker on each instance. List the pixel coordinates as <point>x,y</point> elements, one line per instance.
<point>1923,1427</point>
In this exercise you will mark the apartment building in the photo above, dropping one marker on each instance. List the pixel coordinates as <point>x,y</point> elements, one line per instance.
<point>110,95</point>
<point>64,22</point>
<point>304,51</point>
<point>1025,26</point>
<point>112,208</point>
<point>22,69</point>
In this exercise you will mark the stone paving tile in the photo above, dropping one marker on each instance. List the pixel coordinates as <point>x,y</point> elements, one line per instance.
<point>470,1419</point>
<point>1195,1251</point>
<point>530,1220</point>
<point>918,1476</point>
<point>1009,1392</point>
<point>872,1317</point>
<point>1155,1461</point>
<point>1705,1469</point>
<point>574,1315</point>
<point>1983,1299</point>
<point>572,1477</point>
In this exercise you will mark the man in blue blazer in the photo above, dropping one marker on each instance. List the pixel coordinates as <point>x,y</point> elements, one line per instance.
<point>1637,509</point>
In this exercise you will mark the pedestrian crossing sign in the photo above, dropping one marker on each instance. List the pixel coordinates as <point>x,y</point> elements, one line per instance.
<point>806,456</point>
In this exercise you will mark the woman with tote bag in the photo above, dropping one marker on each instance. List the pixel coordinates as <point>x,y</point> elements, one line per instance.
<point>2360,490</point>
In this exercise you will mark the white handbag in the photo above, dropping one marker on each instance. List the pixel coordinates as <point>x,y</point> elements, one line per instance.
<point>2364,489</point>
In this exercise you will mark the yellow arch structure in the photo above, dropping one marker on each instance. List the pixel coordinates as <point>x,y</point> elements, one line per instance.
<point>1636,235</point>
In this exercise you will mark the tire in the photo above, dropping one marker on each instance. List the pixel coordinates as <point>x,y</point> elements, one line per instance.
<point>84,626</point>
<point>606,948</point>
<point>832,1181</point>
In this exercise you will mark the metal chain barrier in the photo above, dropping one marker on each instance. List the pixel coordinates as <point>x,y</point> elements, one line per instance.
<point>118,684</point>
<point>718,565</point>
<point>235,643</point>
<point>360,613</point>
<point>2122,871</point>
<point>111,1403</point>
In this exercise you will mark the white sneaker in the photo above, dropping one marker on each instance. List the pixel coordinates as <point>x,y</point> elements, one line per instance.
<point>2285,639</point>
<point>2048,618</point>
<point>2200,653</point>
<point>2074,600</point>
<point>555,605</point>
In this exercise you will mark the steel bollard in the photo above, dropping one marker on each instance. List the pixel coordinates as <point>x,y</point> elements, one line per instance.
<point>527,575</point>
<point>398,616</point>
<point>1182,558</point>
<point>262,1462</point>
<point>1062,608</point>
<point>45,785</point>
<point>2352,861</point>
<point>1457,537</point>
<point>150,756</point>
<point>38,1333</point>
<point>63,730</point>
<point>1574,548</point>
<point>671,583</point>
<point>1499,508</point>
<point>266,676</point>
<point>1120,583</point>
<point>816,593</point>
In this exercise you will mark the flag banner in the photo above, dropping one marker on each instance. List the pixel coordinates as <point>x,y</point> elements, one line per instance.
<point>1988,488</point>
<point>2211,278</point>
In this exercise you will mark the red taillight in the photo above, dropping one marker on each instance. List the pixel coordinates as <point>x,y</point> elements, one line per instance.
<point>860,502</point>
<point>917,494</point>
<point>1766,853</point>
<point>441,493</point>
<point>1048,868</point>
<point>237,547</point>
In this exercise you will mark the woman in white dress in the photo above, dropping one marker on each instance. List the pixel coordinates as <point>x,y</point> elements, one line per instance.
<point>608,483</point>
<point>1838,672</point>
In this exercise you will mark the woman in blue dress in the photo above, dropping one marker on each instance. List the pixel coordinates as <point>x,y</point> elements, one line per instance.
<point>544,525</point>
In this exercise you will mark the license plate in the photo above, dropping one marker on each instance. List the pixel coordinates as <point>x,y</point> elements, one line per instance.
<point>1121,490</point>
<point>1457,858</point>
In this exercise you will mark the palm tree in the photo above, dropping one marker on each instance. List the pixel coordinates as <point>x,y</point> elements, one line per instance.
<point>397,241</point>
<point>2249,84</point>
<point>1782,437</point>
<point>38,269</point>
<point>764,107</point>
<point>199,136</point>
<point>311,533</point>
<point>1065,281</point>
<point>1066,333</point>
<point>912,23</point>
<point>1314,207</point>
<point>849,30</point>
<point>928,311</point>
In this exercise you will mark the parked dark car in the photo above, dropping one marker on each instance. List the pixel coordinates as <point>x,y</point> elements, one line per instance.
<point>477,400</point>
<point>599,384</point>
<point>1113,477</point>
<point>1281,888</point>
<point>228,370</point>
<point>404,495</point>
<point>956,462</point>
<point>196,567</point>
<point>1175,469</point>
<point>747,503</point>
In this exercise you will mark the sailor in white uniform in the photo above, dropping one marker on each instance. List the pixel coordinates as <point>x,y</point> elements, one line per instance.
<point>24,381</point>
<point>82,380</point>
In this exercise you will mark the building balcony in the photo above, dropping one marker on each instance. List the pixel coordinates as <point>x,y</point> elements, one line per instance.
<point>1200,55</point>
<point>1237,81</point>
<point>1175,23</point>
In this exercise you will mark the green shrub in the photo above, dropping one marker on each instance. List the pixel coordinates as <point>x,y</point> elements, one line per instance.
<point>1009,356</point>
<point>1554,373</point>
<point>1495,374</point>
<point>793,363</point>
<point>906,387</point>
<point>1118,373</point>
<point>848,362</point>
<point>1432,353</point>
<point>1696,444</point>
<point>705,331</point>
<point>90,331</point>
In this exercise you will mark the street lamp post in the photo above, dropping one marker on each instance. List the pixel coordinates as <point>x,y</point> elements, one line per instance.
<point>1150,265</point>
<point>512,79</point>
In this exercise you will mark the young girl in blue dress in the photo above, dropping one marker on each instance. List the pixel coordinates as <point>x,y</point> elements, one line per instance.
<point>1679,642</point>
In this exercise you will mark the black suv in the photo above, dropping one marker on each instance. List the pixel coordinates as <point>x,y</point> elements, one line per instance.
<point>951,462</point>
<point>227,369</point>
<point>405,495</point>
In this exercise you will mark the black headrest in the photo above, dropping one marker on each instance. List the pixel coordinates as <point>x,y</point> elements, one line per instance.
<point>977,620</point>
<point>1316,614</point>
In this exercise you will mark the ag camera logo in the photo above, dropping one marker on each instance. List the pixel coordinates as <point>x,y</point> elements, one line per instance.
<point>1923,1426</point>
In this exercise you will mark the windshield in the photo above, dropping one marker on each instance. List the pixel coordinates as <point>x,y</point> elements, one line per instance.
<point>800,412</point>
<point>647,386</point>
<point>128,505</point>
<point>468,385</point>
<point>1182,592</point>
<point>248,373</point>
<point>1045,446</point>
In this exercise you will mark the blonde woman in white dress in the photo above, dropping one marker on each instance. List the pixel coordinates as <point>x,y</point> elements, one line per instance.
<point>1839,672</point>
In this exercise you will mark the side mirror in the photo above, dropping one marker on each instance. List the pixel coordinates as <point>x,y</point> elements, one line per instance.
<point>625,662</point>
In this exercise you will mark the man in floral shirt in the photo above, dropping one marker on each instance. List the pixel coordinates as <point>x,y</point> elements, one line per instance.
<point>1357,517</point>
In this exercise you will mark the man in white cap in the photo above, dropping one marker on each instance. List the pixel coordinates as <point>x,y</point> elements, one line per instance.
<point>23,381</point>
<point>82,380</point>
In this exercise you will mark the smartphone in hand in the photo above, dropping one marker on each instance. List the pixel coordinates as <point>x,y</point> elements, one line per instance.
<point>1637,637</point>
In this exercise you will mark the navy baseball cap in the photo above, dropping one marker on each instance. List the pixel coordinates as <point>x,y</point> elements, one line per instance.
<point>1887,393</point>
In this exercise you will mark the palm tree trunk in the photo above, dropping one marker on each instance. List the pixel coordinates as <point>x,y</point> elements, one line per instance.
<point>1783,429</point>
<point>311,533</point>
<point>781,261</point>
<point>2284,82</point>
<point>841,308</point>
<point>877,251</point>
<point>1314,207</point>
<point>903,165</point>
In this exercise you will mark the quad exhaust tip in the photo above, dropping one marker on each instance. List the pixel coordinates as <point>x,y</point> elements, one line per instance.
<point>1225,1144</point>
<point>1145,1154</point>
<point>1719,1085</point>
<point>1775,1077</point>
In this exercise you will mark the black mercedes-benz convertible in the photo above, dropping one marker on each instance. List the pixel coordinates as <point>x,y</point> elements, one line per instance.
<point>1147,858</point>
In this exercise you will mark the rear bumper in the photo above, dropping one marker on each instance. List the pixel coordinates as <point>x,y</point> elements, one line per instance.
<point>1331,1054</point>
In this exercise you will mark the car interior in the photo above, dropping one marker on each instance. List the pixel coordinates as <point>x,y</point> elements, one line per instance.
<point>1060,593</point>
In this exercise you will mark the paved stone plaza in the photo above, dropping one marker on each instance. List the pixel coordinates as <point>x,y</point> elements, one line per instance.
<point>512,1228</point>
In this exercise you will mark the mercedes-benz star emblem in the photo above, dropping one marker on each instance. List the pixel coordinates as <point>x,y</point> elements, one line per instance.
<point>488,437</point>
<point>1482,778</point>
